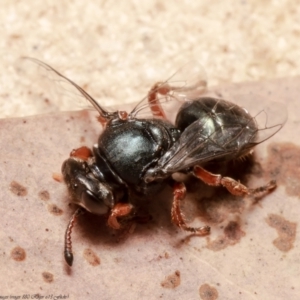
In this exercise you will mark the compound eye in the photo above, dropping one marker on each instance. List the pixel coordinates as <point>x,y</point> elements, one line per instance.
<point>95,196</point>
<point>93,203</point>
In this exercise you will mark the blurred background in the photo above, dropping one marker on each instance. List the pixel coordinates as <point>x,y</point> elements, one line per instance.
<point>117,50</point>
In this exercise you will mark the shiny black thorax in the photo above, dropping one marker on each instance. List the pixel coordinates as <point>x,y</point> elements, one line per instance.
<point>130,147</point>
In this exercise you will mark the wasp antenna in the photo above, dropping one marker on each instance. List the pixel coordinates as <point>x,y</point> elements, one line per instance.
<point>68,254</point>
<point>103,113</point>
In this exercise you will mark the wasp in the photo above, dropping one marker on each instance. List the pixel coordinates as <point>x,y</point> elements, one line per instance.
<point>136,156</point>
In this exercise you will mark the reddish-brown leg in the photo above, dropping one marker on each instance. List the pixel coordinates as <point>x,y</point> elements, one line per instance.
<point>179,192</point>
<point>119,210</point>
<point>68,242</point>
<point>102,120</point>
<point>83,153</point>
<point>155,106</point>
<point>233,186</point>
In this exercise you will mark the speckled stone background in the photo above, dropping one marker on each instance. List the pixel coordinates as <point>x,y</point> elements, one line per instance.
<point>118,49</point>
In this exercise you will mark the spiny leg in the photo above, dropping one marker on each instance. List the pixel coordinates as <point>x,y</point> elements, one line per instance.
<point>68,242</point>
<point>233,186</point>
<point>155,106</point>
<point>179,192</point>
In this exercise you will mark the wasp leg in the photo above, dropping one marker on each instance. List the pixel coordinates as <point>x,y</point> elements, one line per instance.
<point>83,153</point>
<point>155,106</point>
<point>102,121</point>
<point>179,192</point>
<point>233,186</point>
<point>68,243</point>
<point>119,210</point>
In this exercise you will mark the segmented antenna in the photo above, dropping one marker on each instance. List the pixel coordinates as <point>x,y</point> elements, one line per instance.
<point>103,113</point>
<point>68,254</point>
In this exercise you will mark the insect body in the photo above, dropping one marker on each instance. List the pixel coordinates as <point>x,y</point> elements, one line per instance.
<point>137,156</point>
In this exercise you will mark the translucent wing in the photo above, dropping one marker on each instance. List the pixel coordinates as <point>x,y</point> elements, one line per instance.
<point>226,131</point>
<point>189,82</point>
<point>270,116</point>
<point>60,93</point>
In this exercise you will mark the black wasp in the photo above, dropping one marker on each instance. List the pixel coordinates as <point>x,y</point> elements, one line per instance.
<point>137,156</point>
